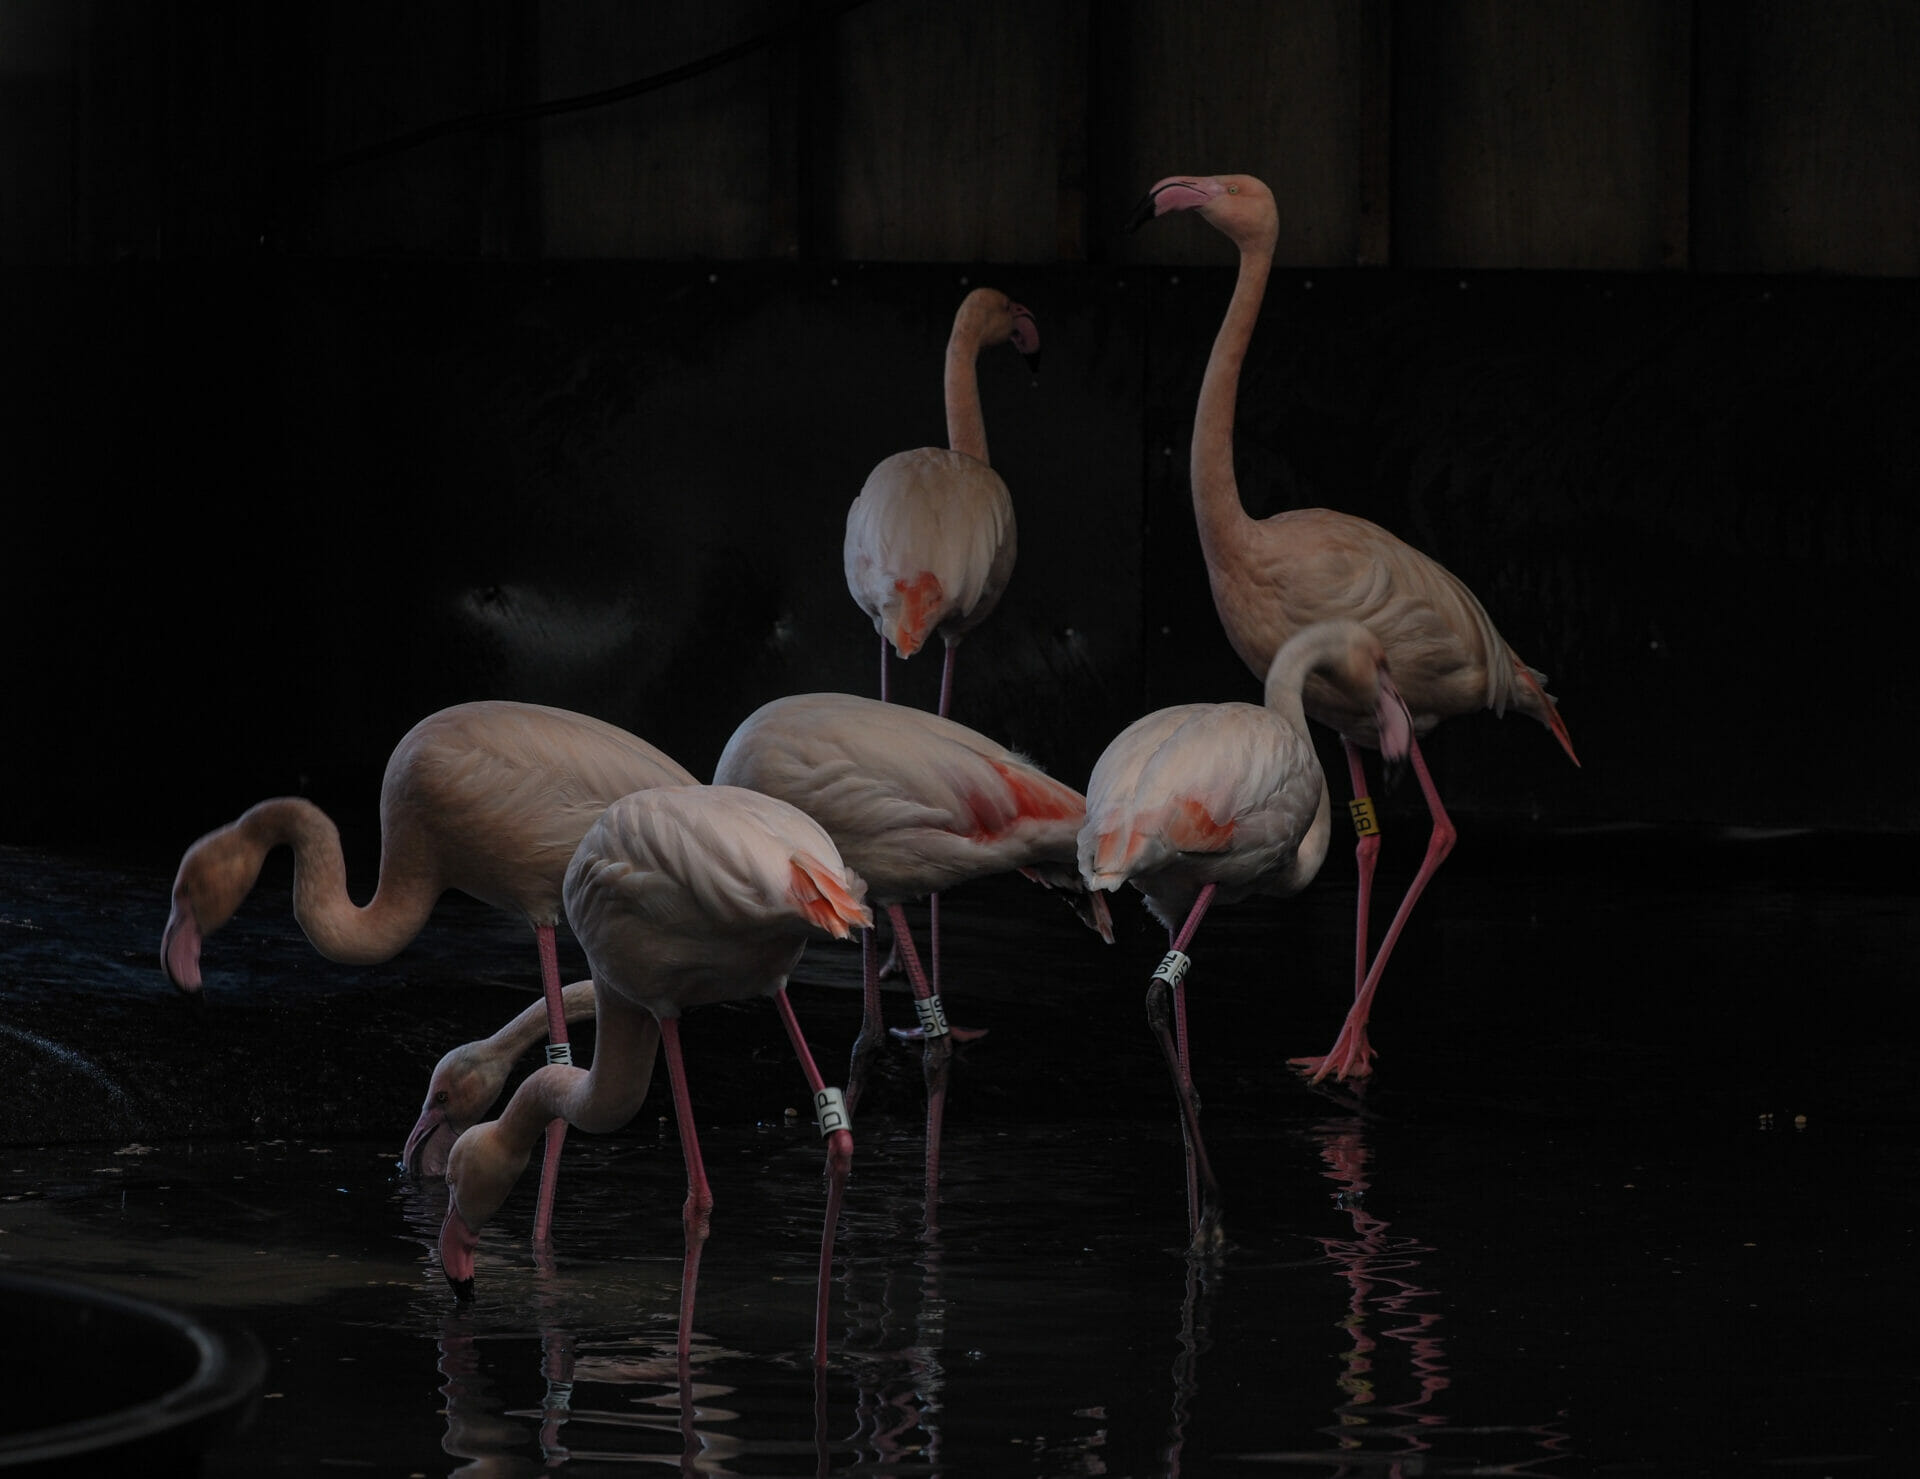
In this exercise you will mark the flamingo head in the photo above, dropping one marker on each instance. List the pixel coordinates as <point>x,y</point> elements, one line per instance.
<point>214,877</point>
<point>1025,336</point>
<point>463,1087</point>
<point>481,1169</point>
<point>1237,205</point>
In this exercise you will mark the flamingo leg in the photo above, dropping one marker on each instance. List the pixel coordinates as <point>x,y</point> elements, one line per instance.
<point>1366,854</point>
<point>1352,1055</point>
<point>872,1028</point>
<point>1203,1191</point>
<point>558,1051</point>
<point>938,1048</point>
<point>884,683</point>
<point>946,681</point>
<point>696,1214</point>
<point>839,1163</point>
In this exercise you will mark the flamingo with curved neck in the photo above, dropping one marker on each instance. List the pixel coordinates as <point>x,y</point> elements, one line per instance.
<point>489,798</point>
<point>1271,577</point>
<point>931,538</point>
<point>1201,804</point>
<point>681,896</point>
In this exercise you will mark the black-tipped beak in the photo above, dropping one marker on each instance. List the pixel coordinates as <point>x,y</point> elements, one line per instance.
<point>1143,212</point>
<point>1033,362</point>
<point>462,1289</point>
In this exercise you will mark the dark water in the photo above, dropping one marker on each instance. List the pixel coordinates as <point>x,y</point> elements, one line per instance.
<point>1632,1192</point>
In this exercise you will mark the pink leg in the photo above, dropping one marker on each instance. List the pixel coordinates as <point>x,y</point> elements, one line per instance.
<point>1203,1192</point>
<point>839,1162</point>
<point>556,1129</point>
<point>884,685</point>
<point>696,1214</point>
<point>1367,854</point>
<point>946,681</point>
<point>1352,1054</point>
<point>937,1050</point>
<point>960,1034</point>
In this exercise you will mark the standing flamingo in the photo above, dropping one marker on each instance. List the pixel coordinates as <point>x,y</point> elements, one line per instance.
<point>469,1078</point>
<point>930,540</point>
<point>489,798</point>
<point>1206,802</point>
<point>915,803</point>
<point>681,896</point>
<point>1272,576</point>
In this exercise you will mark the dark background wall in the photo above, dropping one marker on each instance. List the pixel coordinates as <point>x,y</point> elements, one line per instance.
<point>372,358</point>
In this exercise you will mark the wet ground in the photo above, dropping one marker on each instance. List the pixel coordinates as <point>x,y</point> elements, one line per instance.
<point>1633,1191</point>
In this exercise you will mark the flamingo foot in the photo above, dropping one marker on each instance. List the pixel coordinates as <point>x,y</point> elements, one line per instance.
<point>1209,1240</point>
<point>958,1034</point>
<point>1350,1058</point>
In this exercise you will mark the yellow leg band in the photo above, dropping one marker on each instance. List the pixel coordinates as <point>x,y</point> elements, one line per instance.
<point>1366,822</point>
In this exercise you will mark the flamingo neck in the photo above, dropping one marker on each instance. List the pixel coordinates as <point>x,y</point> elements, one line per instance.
<point>1217,508</point>
<point>597,1099</point>
<point>530,1025</point>
<point>338,928</point>
<point>966,425</point>
<point>1322,649</point>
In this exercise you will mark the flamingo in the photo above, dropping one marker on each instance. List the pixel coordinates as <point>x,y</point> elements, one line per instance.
<point>681,896</point>
<point>916,803</point>
<point>930,540</point>
<point>489,798</point>
<point>1204,803</point>
<point>1273,576</point>
<point>468,1079</point>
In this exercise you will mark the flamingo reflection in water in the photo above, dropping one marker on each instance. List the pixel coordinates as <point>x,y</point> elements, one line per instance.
<point>1389,1313</point>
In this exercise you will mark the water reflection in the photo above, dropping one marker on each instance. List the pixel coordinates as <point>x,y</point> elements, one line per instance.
<point>1393,1320</point>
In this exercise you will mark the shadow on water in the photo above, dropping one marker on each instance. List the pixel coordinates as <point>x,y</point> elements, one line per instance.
<point>1634,1192</point>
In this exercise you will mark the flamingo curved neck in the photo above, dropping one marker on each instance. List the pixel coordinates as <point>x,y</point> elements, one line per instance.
<point>1217,508</point>
<point>966,424</point>
<point>597,1099</point>
<point>338,928</point>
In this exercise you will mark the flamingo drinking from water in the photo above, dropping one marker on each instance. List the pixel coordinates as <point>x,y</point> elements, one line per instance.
<point>915,803</point>
<point>681,896</point>
<point>489,798</point>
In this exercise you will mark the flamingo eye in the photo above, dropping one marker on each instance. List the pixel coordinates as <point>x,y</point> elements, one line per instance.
<point>441,1097</point>
<point>1233,189</point>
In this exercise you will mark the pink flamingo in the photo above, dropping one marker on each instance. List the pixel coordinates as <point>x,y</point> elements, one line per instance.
<point>1272,576</point>
<point>681,896</point>
<point>1206,802</point>
<point>930,541</point>
<point>931,538</point>
<point>915,803</point>
<point>489,798</point>
<point>468,1079</point>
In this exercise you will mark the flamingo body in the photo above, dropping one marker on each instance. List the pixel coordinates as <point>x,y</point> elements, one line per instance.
<point>930,546</point>
<point>915,803</point>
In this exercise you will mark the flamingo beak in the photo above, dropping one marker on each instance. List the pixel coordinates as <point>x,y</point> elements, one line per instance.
<point>1026,338</point>
<point>457,1242</point>
<point>414,1159</point>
